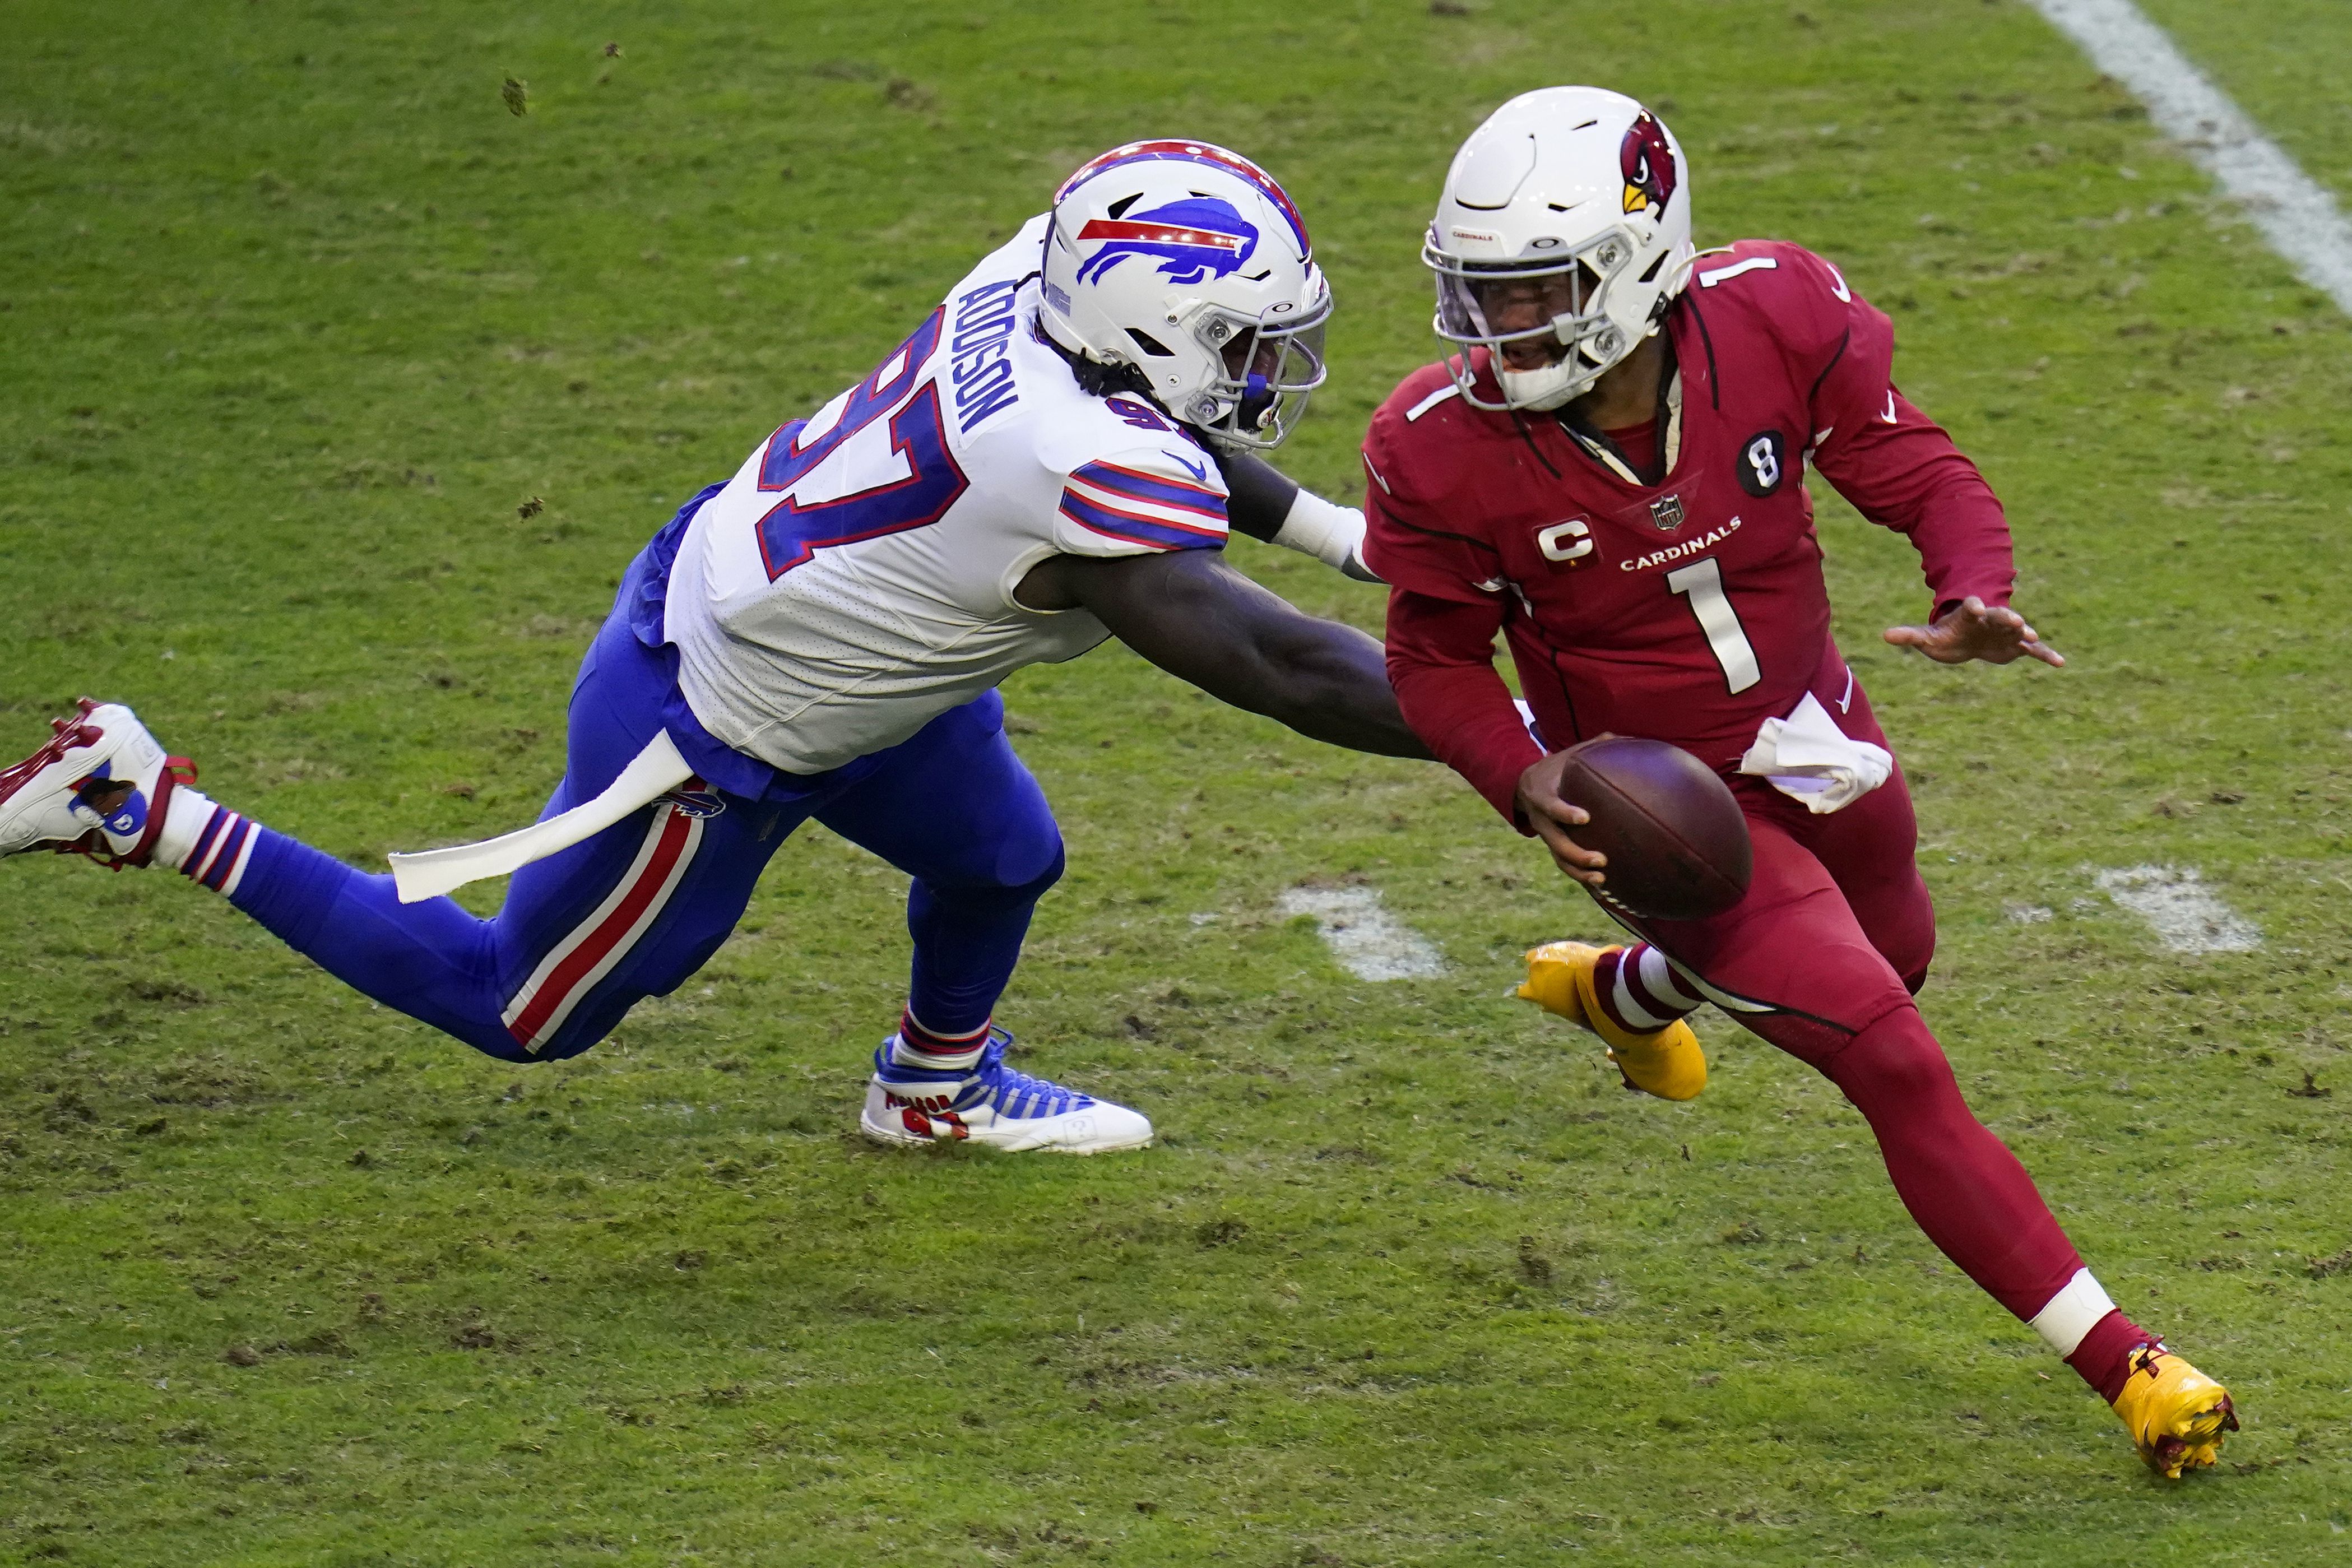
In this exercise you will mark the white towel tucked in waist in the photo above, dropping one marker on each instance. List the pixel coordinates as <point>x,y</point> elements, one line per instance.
<point>1808,758</point>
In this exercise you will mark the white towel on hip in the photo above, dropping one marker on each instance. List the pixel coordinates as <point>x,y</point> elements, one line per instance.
<point>1808,758</point>
<point>429,873</point>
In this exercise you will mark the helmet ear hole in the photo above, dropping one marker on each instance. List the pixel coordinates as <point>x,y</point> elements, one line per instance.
<point>1150,345</point>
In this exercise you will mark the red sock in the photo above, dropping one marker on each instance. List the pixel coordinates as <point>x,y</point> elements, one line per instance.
<point>2103,1357</point>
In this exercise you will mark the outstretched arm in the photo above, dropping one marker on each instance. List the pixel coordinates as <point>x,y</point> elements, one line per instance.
<point>1905,473</point>
<point>1197,618</point>
<point>1269,505</point>
<point>1900,469</point>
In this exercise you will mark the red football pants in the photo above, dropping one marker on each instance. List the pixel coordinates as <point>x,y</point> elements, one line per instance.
<point>1821,958</point>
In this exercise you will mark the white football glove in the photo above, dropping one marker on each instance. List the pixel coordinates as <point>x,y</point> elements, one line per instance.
<point>1332,534</point>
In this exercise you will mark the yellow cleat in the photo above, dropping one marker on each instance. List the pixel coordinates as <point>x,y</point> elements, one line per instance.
<point>2175,1414</point>
<point>1665,1062</point>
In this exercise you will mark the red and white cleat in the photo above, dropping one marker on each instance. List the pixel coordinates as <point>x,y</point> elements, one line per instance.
<point>994,1106</point>
<point>100,787</point>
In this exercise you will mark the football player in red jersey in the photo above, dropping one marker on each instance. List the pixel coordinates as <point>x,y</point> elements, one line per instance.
<point>1608,468</point>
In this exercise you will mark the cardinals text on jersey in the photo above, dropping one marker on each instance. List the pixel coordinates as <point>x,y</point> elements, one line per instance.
<point>1693,608</point>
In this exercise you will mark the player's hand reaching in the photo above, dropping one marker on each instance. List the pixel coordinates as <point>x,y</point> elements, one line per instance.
<point>1974,629</point>
<point>1542,808</point>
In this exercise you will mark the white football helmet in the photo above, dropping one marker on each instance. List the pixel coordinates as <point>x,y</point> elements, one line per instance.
<point>1565,223</point>
<point>1189,264</point>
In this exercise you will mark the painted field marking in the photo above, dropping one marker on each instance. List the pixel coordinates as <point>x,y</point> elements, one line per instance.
<point>2175,901</point>
<point>2294,212</point>
<point>1365,939</point>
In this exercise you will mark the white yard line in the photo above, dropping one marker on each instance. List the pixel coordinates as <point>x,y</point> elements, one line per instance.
<point>2296,214</point>
<point>2185,914</point>
<point>1368,941</point>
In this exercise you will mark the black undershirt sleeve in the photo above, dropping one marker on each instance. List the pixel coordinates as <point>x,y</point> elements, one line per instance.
<point>1258,496</point>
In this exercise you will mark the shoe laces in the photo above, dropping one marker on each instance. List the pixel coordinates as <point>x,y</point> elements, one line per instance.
<point>1014,1092</point>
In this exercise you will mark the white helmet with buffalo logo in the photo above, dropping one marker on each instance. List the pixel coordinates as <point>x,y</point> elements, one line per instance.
<point>1573,195</point>
<point>1188,267</point>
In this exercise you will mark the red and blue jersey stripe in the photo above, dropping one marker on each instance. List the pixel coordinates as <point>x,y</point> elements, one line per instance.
<point>1144,508</point>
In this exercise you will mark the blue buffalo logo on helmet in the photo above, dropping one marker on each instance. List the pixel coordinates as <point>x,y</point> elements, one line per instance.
<point>1648,165</point>
<point>1194,240</point>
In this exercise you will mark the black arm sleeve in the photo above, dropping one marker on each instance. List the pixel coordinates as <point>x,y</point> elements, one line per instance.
<point>1258,495</point>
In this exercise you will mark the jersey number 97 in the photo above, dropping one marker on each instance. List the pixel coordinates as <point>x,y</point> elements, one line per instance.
<point>893,501</point>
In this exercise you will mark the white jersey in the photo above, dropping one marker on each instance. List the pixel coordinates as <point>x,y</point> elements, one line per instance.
<point>854,579</point>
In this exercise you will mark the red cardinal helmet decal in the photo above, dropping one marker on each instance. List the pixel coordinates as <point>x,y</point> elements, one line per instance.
<point>1648,165</point>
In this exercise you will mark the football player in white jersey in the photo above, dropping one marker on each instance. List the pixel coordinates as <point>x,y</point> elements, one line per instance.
<point>1051,458</point>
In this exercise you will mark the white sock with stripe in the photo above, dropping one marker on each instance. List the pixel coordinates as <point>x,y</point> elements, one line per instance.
<point>915,1045</point>
<point>1640,990</point>
<point>204,841</point>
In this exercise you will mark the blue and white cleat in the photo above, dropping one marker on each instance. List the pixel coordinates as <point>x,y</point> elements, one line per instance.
<point>994,1105</point>
<point>100,787</point>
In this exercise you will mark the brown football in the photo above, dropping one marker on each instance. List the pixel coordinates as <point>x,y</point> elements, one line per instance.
<point>1677,842</point>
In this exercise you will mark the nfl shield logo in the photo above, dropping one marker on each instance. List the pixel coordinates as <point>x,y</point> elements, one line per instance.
<point>1666,512</point>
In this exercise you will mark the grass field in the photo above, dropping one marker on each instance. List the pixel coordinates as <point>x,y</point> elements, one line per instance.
<point>295,316</point>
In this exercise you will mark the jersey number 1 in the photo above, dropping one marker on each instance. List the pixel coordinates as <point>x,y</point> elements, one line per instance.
<point>1702,583</point>
<point>793,532</point>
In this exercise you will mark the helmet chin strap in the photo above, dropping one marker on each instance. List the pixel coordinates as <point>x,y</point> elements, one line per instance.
<point>1553,386</point>
<point>1257,402</point>
<point>1557,385</point>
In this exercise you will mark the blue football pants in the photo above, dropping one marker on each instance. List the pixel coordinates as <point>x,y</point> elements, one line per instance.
<point>633,912</point>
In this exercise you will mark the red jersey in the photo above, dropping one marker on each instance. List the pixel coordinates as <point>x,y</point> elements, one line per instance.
<point>1689,610</point>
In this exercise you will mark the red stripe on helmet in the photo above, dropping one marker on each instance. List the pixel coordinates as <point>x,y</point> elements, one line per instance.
<point>1194,152</point>
<point>1159,233</point>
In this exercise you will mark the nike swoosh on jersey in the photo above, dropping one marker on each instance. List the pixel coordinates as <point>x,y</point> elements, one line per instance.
<point>1198,470</point>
